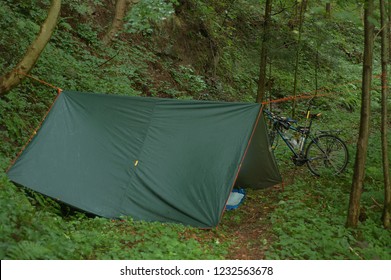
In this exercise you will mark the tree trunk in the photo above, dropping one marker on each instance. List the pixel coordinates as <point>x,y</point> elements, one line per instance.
<point>389,29</point>
<point>328,10</point>
<point>264,53</point>
<point>12,78</point>
<point>384,92</point>
<point>121,8</point>
<point>362,142</point>
<point>303,7</point>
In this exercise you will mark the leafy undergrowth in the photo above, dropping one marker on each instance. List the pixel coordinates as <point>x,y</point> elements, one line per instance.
<point>309,223</point>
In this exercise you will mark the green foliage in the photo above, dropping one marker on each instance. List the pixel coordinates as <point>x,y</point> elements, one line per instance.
<point>308,230</point>
<point>303,231</point>
<point>188,80</point>
<point>145,14</point>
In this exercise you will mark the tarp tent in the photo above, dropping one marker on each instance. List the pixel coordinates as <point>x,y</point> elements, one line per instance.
<point>149,158</point>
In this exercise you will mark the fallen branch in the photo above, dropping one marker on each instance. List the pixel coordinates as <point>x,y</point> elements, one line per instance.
<point>377,203</point>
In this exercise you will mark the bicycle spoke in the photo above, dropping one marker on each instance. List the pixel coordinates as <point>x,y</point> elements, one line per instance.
<point>327,154</point>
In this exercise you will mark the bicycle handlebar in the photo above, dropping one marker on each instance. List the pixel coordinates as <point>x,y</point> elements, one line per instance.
<point>283,120</point>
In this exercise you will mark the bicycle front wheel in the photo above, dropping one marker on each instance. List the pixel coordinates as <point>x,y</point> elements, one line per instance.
<point>272,139</point>
<point>327,155</point>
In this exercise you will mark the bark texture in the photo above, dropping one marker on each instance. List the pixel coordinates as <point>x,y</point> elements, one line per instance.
<point>264,53</point>
<point>384,119</point>
<point>121,9</point>
<point>12,78</point>
<point>362,142</point>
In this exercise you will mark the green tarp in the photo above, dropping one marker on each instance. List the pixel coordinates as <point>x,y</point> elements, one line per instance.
<point>149,158</point>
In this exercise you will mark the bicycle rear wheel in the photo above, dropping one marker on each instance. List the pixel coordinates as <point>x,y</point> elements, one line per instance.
<point>327,155</point>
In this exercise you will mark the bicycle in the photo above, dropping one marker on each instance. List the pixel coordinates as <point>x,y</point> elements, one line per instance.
<point>323,153</point>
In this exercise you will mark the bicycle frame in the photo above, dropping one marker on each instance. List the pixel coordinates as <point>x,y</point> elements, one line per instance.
<point>305,134</point>
<point>296,152</point>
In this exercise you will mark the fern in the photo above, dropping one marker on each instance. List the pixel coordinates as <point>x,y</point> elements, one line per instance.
<point>28,250</point>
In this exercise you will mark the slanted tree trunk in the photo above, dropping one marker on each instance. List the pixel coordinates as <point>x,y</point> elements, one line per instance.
<point>384,92</point>
<point>12,78</point>
<point>264,53</point>
<point>121,8</point>
<point>362,142</point>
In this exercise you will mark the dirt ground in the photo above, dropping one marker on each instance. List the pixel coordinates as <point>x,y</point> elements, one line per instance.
<point>250,225</point>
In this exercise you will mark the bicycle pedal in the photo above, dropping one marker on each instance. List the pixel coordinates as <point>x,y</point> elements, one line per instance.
<point>298,161</point>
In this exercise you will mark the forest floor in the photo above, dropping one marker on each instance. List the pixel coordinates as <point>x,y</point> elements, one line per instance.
<point>252,234</point>
<point>247,229</point>
<point>249,226</point>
